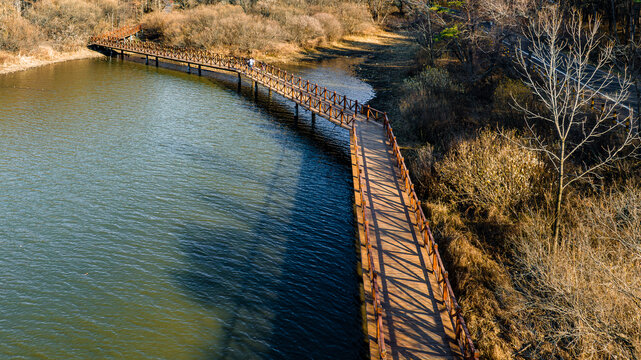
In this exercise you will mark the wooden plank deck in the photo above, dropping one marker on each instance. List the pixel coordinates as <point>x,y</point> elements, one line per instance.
<point>416,324</point>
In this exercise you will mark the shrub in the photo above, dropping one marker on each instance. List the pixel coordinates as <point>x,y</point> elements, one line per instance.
<point>355,17</point>
<point>220,27</point>
<point>583,295</point>
<point>506,93</point>
<point>427,105</point>
<point>65,21</point>
<point>17,34</point>
<point>490,173</point>
<point>332,28</point>
<point>155,26</point>
<point>303,29</point>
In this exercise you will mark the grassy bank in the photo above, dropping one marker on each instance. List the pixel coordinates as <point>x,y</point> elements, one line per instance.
<point>268,30</point>
<point>10,62</point>
<point>276,30</point>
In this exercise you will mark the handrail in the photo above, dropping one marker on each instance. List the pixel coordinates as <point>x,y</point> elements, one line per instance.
<point>310,95</point>
<point>304,85</point>
<point>335,107</point>
<point>121,33</point>
<point>378,310</point>
<point>453,309</point>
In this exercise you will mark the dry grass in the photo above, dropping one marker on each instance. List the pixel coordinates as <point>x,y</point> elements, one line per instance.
<point>583,296</point>
<point>269,29</point>
<point>17,34</point>
<point>481,282</point>
<point>42,55</point>
<point>65,21</point>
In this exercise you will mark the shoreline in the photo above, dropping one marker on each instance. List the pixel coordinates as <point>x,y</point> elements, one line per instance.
<point>369,45</point>
<point>46,56</point>
<point>389,58</point>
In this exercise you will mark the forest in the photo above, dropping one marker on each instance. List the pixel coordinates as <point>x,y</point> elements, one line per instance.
<point>531,181</point>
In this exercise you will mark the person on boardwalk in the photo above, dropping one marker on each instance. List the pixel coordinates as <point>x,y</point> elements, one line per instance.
<point>251,62</point>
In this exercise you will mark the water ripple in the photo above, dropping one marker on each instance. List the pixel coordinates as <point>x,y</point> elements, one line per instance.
<point>149,214</point>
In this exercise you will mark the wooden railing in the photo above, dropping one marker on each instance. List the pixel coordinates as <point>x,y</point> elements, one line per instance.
<point>376,302</point>
<point>119,34</point>
<point>337,108</point>
<point>453,309</point>
<point>329,104</point>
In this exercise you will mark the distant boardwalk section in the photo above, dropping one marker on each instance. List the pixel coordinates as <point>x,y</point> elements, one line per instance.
<point>411,311</point>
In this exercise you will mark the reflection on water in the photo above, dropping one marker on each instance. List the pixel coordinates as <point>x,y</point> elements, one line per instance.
<point>146,213</point>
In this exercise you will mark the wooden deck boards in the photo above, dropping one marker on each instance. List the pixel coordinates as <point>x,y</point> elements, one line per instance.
<point>416,325</point>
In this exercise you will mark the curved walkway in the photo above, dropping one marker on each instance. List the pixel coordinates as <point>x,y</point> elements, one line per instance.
<point>417,317</point>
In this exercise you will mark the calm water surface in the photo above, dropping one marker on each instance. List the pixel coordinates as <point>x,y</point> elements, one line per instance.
<point>150,214</point>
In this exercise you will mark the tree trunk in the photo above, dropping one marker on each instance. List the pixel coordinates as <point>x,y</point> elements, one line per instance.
<point>557,213</point>
<point>632,7</point>
<point>559,196</point>
<point>429,30</point>
<point>613,19</point>
<point>634,20</point>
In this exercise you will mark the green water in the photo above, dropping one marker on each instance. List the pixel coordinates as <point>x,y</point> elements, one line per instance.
<point>150,214</point>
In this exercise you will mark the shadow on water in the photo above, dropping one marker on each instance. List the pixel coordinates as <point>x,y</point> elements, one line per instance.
<point>275,304</point>
<point>282,288</point>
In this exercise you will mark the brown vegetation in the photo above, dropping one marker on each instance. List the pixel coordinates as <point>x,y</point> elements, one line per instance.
<point>275,28</point>
<point>582,298</point>
<point>491,204</point>
<point>271,28</point>
<point>490,173</point>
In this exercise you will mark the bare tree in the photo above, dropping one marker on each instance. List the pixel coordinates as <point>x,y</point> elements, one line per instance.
<point>567,84</point>
<point>423,23</point>
<point>380,9</point>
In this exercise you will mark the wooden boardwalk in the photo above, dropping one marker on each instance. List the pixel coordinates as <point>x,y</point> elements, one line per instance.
<point>411,312</point>
<point>415,322</point>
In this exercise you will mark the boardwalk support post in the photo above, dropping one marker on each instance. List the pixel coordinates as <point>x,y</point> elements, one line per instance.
<point>156,61</point>
<point>239,82</point>
<point>296,115</point>
<point>199,70</point>
<point>188,68</point>
<point>146,59</point>
<point>313,118</point>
